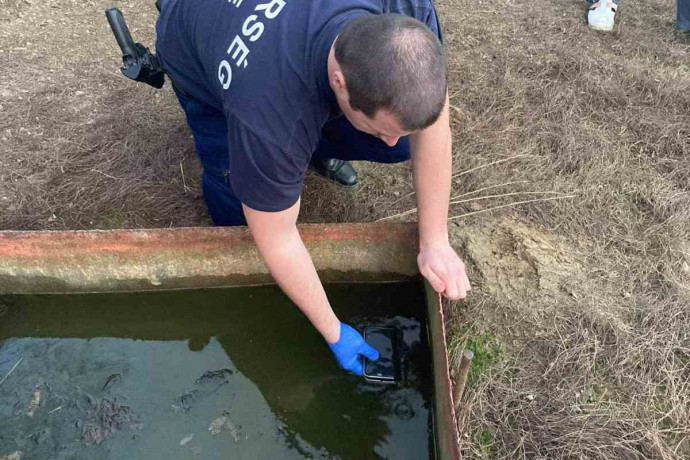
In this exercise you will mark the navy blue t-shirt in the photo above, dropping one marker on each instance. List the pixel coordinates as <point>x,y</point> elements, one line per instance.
<point>263,63</point>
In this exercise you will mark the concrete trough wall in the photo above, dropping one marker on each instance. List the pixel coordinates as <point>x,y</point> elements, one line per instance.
<point>184,258</point>
<point>141,260</point>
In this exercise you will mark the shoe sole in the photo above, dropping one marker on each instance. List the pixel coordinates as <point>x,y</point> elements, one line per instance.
<point>604,28</point>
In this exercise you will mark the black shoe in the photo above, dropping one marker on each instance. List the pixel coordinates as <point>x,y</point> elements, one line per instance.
<point>340,171</point>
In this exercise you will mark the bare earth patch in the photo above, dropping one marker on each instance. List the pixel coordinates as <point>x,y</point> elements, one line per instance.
<point>579,317</point>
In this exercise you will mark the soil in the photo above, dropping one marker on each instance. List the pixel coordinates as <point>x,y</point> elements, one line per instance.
<point>586,298</point>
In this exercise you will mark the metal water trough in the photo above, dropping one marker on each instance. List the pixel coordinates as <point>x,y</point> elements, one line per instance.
<point>184,258</point>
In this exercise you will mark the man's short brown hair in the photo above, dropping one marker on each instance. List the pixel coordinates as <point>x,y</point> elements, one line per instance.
<point>393,62</point>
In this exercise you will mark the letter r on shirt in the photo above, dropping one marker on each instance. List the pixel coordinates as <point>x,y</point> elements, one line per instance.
<point>271,9</point>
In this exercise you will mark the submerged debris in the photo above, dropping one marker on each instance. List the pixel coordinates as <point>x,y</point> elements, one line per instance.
<point>13,456</point>
<point>111,380</point>
<point>111,416</point>
<point>35,401</point>
<point>210,382</point>
<point>224,423</point>
<point>90,400</point>
<point>216,425</point>
<point>40,436</point>
<point>114,415</point>
<point>11,370</point>
<point>55,410</point>
<point>219,376</point>
<point>92,434</point>
<point>186,439</point>
<point>187,400</point>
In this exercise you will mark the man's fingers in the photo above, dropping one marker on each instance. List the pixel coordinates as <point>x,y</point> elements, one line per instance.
<point>433,279</point>
<point>356,367</point>
<point>461,281</point>
<point>444,270</point>
<point>459,285</point>
<point>452,291</point>
<point>369,352</point>
<point>466,280</point>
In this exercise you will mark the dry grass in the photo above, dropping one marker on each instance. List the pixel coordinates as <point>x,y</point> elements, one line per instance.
<point>580,315</point>
<point>605,372</point>
<point>582,384</point>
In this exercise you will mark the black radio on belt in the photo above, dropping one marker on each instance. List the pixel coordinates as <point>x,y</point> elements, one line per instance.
<point>139,63</point>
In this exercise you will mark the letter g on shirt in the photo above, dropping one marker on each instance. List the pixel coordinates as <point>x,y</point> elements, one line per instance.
<point>225,74</point>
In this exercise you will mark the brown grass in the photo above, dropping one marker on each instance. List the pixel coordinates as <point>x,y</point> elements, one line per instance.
<point>604,373</point>
<point>580,314</point>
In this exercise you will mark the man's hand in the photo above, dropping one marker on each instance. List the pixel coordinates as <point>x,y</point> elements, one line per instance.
<point>441,266</point>
<point>350,348</point>
<point>431,151</point>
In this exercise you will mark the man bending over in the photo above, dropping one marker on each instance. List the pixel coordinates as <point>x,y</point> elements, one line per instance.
<point>271,86</point>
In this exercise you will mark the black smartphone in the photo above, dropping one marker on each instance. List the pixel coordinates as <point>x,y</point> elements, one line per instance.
<point>385,341</point>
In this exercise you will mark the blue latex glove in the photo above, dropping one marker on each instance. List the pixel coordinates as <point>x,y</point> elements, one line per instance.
<point>350,347</point>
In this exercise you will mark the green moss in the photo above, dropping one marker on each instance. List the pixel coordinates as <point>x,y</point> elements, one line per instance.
<point>487,349</point>
<point>485,441</point>
<point>114,221</point>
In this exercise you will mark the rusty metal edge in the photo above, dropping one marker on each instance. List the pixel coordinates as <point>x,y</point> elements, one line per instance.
<point>87,261</point>
<point>182,258</point>
<point>445,423</point>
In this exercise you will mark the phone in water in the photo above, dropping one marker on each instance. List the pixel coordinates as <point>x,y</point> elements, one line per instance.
<point>385,341</point>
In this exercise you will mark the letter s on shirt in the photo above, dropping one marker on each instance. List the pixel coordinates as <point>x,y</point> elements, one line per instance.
<point>253,31</point>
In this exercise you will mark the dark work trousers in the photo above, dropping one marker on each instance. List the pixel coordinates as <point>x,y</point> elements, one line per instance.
<point>683,15</point>
<point>339,139</point>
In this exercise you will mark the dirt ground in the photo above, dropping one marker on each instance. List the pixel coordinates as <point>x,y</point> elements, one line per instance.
<point>579,319</point>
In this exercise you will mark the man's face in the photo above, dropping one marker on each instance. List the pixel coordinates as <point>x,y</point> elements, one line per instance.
<point>383,125</point>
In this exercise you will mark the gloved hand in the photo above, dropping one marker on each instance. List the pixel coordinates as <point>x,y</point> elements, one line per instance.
<point>349,347</point>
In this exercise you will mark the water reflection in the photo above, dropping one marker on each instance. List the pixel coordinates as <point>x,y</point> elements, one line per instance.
<point>318,411</point>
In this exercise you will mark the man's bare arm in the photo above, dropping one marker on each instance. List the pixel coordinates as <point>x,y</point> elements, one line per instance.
<point>281,246</point>
<point>431,152</point>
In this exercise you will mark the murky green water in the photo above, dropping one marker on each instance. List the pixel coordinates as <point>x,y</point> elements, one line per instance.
<point>210,374</point>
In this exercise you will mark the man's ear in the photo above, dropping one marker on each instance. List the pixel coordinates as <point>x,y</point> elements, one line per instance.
<point>338,83</point>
